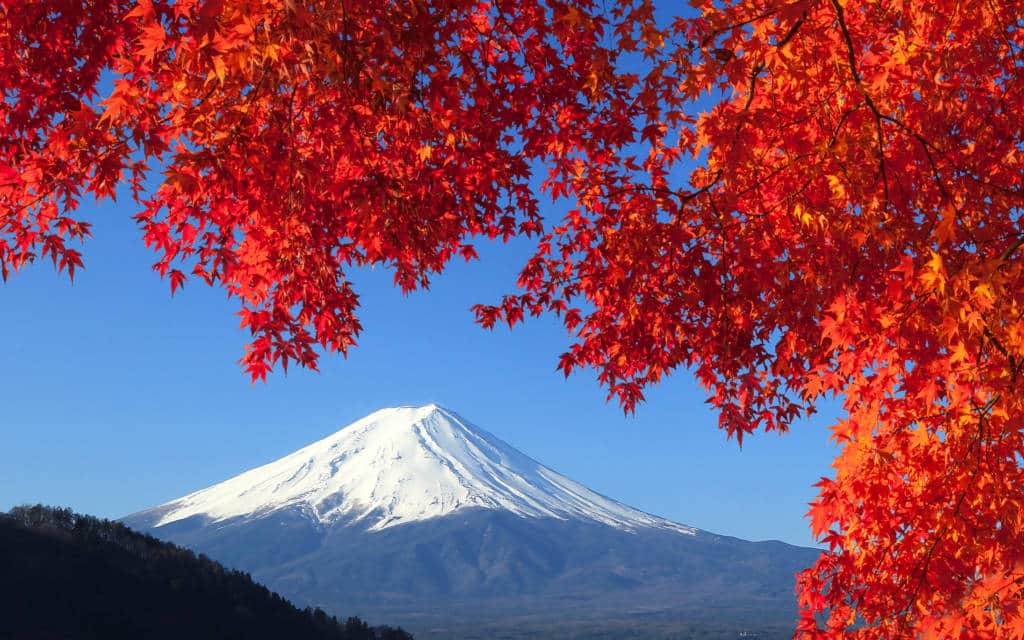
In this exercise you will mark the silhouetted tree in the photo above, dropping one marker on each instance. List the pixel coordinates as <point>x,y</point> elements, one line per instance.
<point>71,576</point>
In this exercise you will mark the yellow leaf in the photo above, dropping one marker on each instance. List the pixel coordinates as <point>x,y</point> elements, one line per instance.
<point>984,292</point>
<point>934,273</point>
<point>801,214</point>
<point>836,186</point>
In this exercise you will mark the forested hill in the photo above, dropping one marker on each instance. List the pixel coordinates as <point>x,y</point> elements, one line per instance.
<point>71,576</point>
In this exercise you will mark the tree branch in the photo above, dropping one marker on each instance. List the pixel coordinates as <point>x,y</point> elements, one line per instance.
<point>868,100</point>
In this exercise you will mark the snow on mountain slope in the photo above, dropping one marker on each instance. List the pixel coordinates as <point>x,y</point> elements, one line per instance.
<point>402,465</point>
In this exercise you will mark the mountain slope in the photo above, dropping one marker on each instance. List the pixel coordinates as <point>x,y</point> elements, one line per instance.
<point>71,576</point>
<point>403,465</point>
<point>456,531</point>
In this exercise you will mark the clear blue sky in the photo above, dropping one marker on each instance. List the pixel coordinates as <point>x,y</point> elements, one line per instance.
<point>117,397</point>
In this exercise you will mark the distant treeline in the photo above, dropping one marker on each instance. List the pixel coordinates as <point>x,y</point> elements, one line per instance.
<point>71,576</point>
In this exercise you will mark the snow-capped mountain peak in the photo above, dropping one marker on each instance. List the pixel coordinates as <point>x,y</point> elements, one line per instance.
<point>401,465</point>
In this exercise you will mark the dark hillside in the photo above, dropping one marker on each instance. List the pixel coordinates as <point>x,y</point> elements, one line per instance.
<point>69,576</point>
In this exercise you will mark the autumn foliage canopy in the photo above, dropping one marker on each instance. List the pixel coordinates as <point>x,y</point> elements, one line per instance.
<point>790,198</point>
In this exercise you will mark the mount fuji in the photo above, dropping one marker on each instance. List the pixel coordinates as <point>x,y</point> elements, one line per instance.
<point>415,516</point>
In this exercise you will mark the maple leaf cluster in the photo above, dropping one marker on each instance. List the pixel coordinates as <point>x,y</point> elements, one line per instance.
<point>791,198</point>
